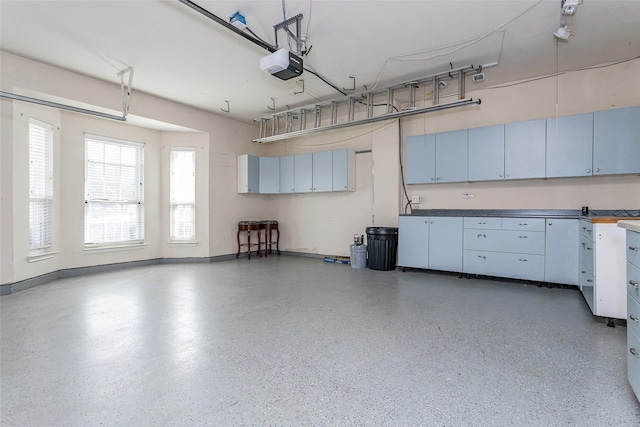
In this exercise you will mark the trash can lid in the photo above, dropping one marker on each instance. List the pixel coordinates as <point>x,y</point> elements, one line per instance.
<point>382,230</point>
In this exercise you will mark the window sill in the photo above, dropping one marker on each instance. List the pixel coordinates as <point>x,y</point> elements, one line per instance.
<point>182,243</point>
<point>41,256</point>
<point>114,248</point>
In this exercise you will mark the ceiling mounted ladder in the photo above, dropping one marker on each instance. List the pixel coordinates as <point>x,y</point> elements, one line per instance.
<point>381,104</point>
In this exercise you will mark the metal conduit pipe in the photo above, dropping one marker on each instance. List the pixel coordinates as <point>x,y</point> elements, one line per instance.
<point>62,106</point>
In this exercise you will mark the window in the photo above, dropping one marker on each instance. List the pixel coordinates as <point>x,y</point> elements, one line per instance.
<point>114,192</point>
<point>182,192</point>
<point>40,185</point>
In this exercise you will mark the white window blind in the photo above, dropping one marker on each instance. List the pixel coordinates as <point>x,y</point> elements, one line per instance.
<point>182,192</point>
<point>114,192</point>
<point>40,185</point>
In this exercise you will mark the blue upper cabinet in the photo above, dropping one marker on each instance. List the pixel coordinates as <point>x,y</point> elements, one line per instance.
<point>269,175</point>
<point>302,173</point>
<point>286,175</point>
<point>524,149</point>
<point>486,153</point>
<point>616,141</point>
<point>451,156</point>
<point>570,146</point>
<point>421,159</point>
<point>322,171</point>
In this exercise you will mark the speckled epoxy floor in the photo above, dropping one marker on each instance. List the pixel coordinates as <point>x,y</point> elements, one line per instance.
<point>295,341</point>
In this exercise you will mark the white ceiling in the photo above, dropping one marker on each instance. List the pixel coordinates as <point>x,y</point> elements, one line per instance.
<point>181,55</point>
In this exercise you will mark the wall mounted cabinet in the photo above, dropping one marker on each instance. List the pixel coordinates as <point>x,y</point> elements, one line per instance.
<point>248,176</point>
<point>269,173</point>
<point>570,146</point>
<point>600,143</point>
<point>440,157</point>
<point>303,173</point>
<point>616,141</point>
<point>486,153</point>
<point>524,149</point>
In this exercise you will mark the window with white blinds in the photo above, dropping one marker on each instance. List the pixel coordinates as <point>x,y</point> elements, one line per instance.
<point>182,193</point>
<point>114,192</point>
<point>40,185</point>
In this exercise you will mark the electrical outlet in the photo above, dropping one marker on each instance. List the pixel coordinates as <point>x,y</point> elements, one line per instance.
<point>415,199</point>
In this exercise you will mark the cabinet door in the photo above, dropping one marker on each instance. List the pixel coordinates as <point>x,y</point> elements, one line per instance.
<point>451,156</point>
<point>561,251</point>
<point>248,174</point>
<point>486,153</point>
<point>524,149</point>
<point>344,174</point>
<point>570,146</point>
<point>286,175</point>
<point>302,173</point>
<point>413,241</point>
<point>420,159</point>
<point>269,175</point>
<point>445,243</point>
<point>322,171</point>
<point>616,141</point>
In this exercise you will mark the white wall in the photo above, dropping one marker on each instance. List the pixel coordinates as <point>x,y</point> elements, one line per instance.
<point>322,223</point>
<point>218,140</point>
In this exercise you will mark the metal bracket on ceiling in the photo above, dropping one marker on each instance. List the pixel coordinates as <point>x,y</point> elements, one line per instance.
<point>297,37</point>
<point>228,108</point>
<point>126,90</point>
<point>302,91</point>
<point>273,101</point>
<point>352,88</point>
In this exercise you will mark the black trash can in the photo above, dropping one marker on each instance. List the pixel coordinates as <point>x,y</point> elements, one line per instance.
<point>382,247</point>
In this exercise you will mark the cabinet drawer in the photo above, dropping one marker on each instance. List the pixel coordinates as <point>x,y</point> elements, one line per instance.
<point>587,286</point>
<point>483,223</point>
<point>633,316</point>
<point>587,253</point>
<point>586,229</point>
<point>633,248</point>
<point>633,361</point>
<point>528,224</point>
<point>516,266</point>
<point>525,242</point>
<point>633,281</point>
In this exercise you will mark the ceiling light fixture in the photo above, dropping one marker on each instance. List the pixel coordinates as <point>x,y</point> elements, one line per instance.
<point>567,8</point>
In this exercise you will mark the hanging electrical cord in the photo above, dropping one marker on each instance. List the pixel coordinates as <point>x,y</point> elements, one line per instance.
<point>459,45</point>
<point>404,186</point>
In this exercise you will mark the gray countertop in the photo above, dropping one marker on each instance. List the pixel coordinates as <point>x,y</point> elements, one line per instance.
<point>633,225</point>
<point>524,213</point>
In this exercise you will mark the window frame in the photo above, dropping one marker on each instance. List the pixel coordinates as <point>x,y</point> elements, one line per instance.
<point>91,201</point>
<point>174,238</point>
<point>47,196</point>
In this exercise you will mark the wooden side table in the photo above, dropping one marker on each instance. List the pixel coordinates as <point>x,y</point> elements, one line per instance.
<point>248,227</point>
<point>269,226</point>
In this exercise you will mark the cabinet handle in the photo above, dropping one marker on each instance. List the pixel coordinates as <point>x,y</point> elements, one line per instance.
<point>633,283</point>
<point>482,235</point>
<point>522,259</point>
<point>437,178</point>
<point>583,272</point>
<point>523,237</point>
<point>589,231</point>
<point>597,169</point>
<point>634,248</point>
<point>550,223</point>
<point>588,249</point>
<point>589,280</point>
<point>500,175</point>
<point>584,228</point>
<point>634,318</point>
<point>634,352</point>
<point>588,170</point>
<point>523,224</point>
<point>482,223</point>
<point>482,256</point>
<point>584,244</point>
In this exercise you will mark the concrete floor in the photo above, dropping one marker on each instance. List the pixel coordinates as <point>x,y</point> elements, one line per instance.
<point>296,341</point>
